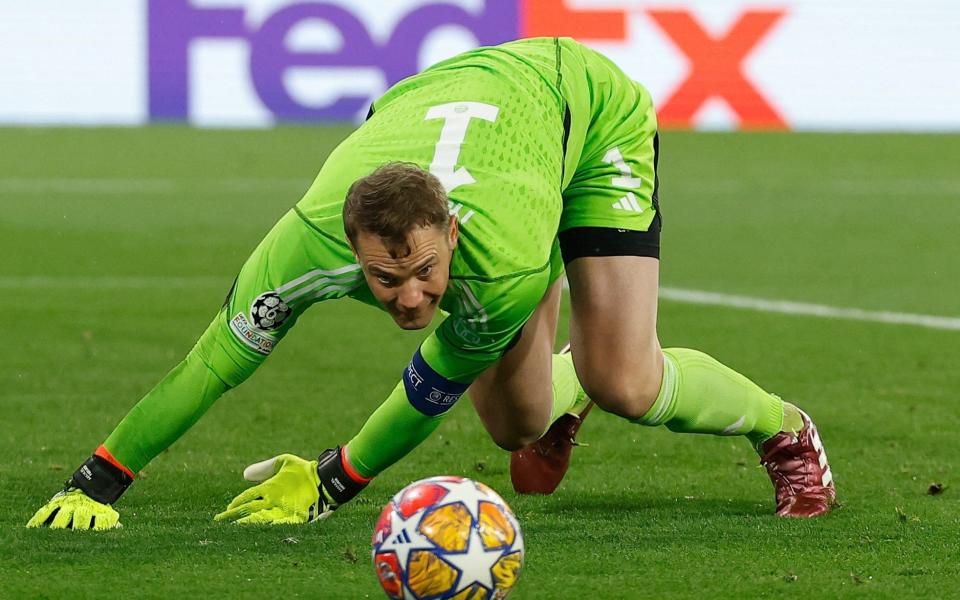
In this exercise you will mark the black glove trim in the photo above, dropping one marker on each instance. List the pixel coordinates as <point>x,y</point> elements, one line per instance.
<point>334,479</point>
<point>100,480</point>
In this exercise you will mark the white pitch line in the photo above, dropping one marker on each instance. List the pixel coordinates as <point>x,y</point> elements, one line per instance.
<point>915,188</point>
<point>143,186</point>
<point>670,294</point>
<point>73,282</point>
<point>30,186</point>
<point>805,309</point>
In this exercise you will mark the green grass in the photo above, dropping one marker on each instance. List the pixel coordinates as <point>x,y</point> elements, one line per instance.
<point>105,285</point>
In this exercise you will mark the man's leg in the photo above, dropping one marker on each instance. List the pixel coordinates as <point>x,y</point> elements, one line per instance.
<point>609,234</point>
<point>620,363</point>
<point>621,366</point>
<point>526,390</point>
<point>613,331</point>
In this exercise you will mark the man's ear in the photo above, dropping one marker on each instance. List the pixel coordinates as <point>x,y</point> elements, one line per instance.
<point>454,229</point>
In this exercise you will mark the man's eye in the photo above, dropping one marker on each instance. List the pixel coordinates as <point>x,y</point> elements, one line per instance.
<point>426,270</point>
<point>385,280</point>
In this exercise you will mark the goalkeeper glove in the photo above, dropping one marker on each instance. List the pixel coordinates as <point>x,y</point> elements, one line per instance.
<point>72,509</point>
<point>293,490</point>
<point>85,500</point>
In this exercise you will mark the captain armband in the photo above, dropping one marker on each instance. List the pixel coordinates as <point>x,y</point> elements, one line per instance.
<point>428,391</point>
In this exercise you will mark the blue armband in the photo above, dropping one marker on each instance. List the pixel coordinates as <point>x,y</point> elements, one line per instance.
<point>428,391</point>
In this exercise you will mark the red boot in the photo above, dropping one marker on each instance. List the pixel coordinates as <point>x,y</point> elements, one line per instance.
<point>798,467</point>
<point>538,468</point>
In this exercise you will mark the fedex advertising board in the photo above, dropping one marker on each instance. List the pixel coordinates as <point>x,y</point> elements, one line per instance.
<point>800,64</point>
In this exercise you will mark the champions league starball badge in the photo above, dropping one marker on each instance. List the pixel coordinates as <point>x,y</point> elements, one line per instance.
<point>269,311</point>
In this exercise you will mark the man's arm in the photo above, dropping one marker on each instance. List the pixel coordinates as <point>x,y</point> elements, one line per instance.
<point>214,365</point>
<point>447,362</point>
<point>291,269</point>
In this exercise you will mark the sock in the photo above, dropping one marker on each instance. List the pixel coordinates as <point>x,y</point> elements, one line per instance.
<point>700,395</point>
<point>792,421</point>
<point>568,394</point>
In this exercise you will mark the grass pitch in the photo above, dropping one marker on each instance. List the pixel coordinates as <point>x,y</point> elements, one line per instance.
<point>117,247</point>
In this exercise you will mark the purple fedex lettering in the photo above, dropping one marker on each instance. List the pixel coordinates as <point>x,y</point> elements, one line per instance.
<point>270,58</point>
<point>173,24</point>
<point>499,22</point>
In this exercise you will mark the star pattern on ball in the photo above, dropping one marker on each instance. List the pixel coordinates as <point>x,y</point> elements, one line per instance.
<point>476,564</point>
<point>464,492</point>
<point>405,537</point>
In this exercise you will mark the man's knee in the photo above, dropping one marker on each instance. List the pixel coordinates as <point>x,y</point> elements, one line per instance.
<point>512,417</point>
<point>626,392</point>
<point>515,438</point>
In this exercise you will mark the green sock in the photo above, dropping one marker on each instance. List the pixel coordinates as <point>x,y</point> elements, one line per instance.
<point>700,395</point>
<point>792,421</point>
<point>568,394</point>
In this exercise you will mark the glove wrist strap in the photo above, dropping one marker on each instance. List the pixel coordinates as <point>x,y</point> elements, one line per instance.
<point>335,480</point>
<point>100,480</point>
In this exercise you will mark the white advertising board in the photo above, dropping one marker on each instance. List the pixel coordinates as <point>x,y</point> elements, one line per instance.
<point>710,64</point>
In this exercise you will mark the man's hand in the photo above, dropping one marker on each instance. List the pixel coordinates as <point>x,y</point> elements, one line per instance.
<point>86,499</point>
<point>294,490</point>
<point>72,509</point>
<point>289,494</point>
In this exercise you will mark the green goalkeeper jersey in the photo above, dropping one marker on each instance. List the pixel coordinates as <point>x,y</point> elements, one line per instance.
<point>529,139</point>
<point>490,125</point>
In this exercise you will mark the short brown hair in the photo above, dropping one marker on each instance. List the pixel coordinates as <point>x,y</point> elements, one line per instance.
<point>393,200</point>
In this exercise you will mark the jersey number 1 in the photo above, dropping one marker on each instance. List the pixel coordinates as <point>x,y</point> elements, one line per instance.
<point>456,117</point>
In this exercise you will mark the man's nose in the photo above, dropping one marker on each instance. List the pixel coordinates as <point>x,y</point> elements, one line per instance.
<point>411,295</point>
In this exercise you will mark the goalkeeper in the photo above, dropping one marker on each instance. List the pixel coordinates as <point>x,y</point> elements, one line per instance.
<point>470,188</point>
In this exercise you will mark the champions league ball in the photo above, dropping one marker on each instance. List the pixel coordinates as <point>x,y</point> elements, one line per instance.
<point>447,537</point>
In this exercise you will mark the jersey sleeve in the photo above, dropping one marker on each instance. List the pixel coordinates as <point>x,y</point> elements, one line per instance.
<point>292,268</point>
<point>295,266</point>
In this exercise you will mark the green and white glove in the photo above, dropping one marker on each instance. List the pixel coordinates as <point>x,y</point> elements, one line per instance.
<point>293,490</point>
<point>72,509</point>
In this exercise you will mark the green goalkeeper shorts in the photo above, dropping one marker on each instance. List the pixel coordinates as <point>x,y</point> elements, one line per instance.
<point>610,205</point>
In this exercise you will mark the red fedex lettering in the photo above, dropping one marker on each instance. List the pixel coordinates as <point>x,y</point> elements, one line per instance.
<point>716,68</point>
<point>550,18</point>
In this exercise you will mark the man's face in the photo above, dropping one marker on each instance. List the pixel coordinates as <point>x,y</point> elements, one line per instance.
<point>409,287</point>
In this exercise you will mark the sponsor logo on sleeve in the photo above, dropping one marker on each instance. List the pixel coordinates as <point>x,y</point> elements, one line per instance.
<point>428,391</point>
<point>413,377</point>
<point>250,336</point>
<point>441,398</point>
<point>465,329</point>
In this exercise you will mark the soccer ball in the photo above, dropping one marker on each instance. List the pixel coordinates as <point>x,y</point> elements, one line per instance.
<point>447,537</point>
